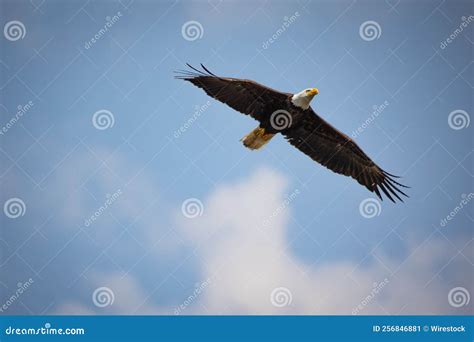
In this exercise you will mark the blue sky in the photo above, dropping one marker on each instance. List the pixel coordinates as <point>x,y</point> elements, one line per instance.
<point>266,220</point>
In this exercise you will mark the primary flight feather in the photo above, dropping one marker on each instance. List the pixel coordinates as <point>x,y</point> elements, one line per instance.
<point>292,116</point>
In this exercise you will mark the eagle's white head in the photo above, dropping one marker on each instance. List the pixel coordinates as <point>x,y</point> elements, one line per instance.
<point>303,98</point>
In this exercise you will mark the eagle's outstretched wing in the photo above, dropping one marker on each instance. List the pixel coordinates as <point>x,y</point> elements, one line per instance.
<point>311,135</point>
<point>245,96</point>
<point>336,151</point>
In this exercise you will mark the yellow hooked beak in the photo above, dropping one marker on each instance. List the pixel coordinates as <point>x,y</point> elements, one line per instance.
<point>314,91</point>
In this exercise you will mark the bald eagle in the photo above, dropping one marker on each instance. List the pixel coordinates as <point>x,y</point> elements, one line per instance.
<point>292,116</point>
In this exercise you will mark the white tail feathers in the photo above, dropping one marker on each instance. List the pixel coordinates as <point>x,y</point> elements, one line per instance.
<point>257,138</point>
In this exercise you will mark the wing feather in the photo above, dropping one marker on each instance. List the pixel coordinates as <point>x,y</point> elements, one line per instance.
<point>245,96</point>
<point>311,135</point>
<point>336,151</point>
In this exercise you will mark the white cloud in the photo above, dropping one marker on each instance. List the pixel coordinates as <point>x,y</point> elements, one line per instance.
<point>241,244</point>
<point>72,308</point>
<point>247,262</point>
<point>125,296</point>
